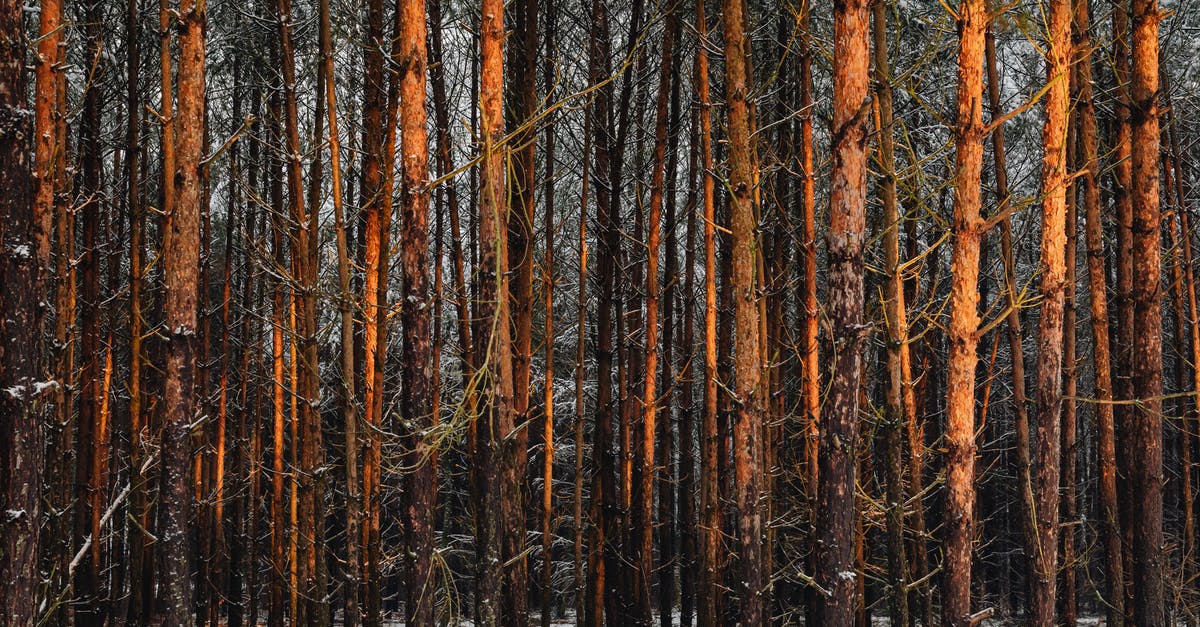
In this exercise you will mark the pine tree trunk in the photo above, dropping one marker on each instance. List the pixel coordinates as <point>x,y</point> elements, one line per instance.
<point>1043,561</point>
<point>493,343</point>
<point>687,419</point>
<point>964,317</point>
<point>747,430</point>
<point>897,327</point>
<point>839,419</point>
<point>603,559</point>
<point>182,246</point>
<point>1098,307</point>
<point>582,601</point>
<point>546,589</point>
<point>710,505</point>
<point>416,385</point>
<point>1145,424</point>
<point>1122,164</point>
<point>20,371</point>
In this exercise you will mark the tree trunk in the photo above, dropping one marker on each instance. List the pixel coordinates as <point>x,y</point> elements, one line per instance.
<point>493,343</point>
<point>1145,424</point>
<point>747,430</point>
<point>547,588</point>
<point>520,102</point>
<point>1043,562</point>
<point>20,370</point>
<point>710,505</point>
<point>182,246</point>
<point>603,560</point>
<point>898,386</point>
<point>687,419</point>
<point>1122,164</point>
<point>349,406</point>
<point>1088,163</point>
<point>964,317</point>
<point>582,600</point>
<point>416,385</point>
<point>839,420</point>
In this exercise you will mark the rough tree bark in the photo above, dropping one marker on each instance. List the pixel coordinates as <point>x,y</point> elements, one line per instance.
<point>182,246</point>
<point>710,506</point>
<point>416,377</point>
<point>493,341</point>
<point>847,224</point>
<point>964,317</point>
<point>520,103</point>
<point>747,429</point>
<point>1043,561</point>
<point>1146,419</point>
<point>899,387</point>
<point>1098,305</point>
<point>20,368</point>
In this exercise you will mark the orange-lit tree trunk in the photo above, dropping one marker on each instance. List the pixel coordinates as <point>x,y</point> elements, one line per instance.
<point>493,340</point>
<point>279,323</point>
<point>710,505</point>
<point>1043,561</point>
<point>182,259</point>
<point>20,413</point>
<point>964,317</point>
<point>48,154</point>
<point>747,429</point>
<point>1106,455</point>
<point>811,384</point>
<point>520,106</point>
<point>1145,424</point>
<point>376,207</point>
<point>1068,507</point>
<point>847,223</point>
<point>416,384</point>
<point>645,505</point>
<point>546,587</point>
<point>304,344</point>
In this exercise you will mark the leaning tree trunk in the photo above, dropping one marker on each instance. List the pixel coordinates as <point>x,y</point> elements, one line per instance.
<point>649,474</point>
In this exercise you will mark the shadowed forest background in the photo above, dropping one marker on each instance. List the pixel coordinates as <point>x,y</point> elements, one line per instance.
<point>756,312</point>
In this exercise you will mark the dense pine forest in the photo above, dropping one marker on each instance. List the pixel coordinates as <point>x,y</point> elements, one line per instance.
<point>599,312</point>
